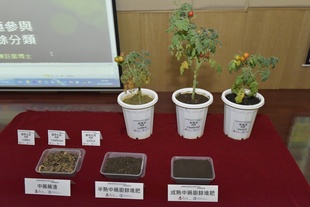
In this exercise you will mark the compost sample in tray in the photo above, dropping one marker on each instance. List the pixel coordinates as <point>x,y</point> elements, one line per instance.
<point>123,165</point>
<point>189,168</point>
<point>192,170</point>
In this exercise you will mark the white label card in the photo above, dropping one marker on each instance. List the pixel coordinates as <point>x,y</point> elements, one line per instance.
<point>193,193</point>
<point>26,137</point>
<point>47,187</point>
<point>56,137</point>
<point>91,138</point>
<point>119,190</point>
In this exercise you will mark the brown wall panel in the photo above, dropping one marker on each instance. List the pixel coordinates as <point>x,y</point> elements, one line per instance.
<point>284,33</point>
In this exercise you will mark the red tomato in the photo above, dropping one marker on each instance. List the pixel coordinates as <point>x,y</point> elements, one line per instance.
<point>190,14</point>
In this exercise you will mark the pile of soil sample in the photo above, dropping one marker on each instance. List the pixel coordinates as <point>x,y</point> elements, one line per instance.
<point>190,168</point>
<point>123,165</point>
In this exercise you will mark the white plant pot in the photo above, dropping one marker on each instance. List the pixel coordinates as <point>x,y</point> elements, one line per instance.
<point>138,118</point>
<point>191,118</point>
<point>239,119</point>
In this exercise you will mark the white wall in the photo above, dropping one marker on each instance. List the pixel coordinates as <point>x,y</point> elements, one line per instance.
<point>160,5</point>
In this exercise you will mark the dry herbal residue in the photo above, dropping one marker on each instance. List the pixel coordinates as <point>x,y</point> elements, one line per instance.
<point>61,161</point>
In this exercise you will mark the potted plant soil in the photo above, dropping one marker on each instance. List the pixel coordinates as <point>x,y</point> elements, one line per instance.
<point>194,46</point>
<point>137,102</point>
<point>242,101</point>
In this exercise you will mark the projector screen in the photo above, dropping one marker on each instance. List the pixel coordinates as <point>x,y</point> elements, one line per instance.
<point>59,45</point>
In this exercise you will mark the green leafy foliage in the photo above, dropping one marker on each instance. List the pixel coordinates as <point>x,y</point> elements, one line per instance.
<point>194,45</point>
<point>250,67</point>
<point>135,68</point>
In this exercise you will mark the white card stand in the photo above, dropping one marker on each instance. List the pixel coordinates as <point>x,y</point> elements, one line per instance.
<point>91,138</point>
<point>57,137</point>
<point>26,137</point>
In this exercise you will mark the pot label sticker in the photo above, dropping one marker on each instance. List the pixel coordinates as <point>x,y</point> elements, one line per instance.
<point>241,127</point>
<point>193,124</point>
<point>141,125</point>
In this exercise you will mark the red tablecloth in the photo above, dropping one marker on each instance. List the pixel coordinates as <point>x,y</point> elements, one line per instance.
<point>258,171</point>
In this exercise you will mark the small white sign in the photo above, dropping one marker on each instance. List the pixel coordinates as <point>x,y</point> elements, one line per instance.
<point>56,137</point>
<point>193,193</point>
<point>119,190</point>
<point>26,137</point>
<point>91,138</point>
<point>47,187</point>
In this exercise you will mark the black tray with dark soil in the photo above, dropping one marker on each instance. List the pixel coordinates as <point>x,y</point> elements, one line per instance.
<point>193,170</point>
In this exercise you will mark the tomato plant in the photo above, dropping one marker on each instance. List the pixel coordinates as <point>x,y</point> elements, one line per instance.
<point>195,44</point>
<point>135,68</point>
<point>250,67</point>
